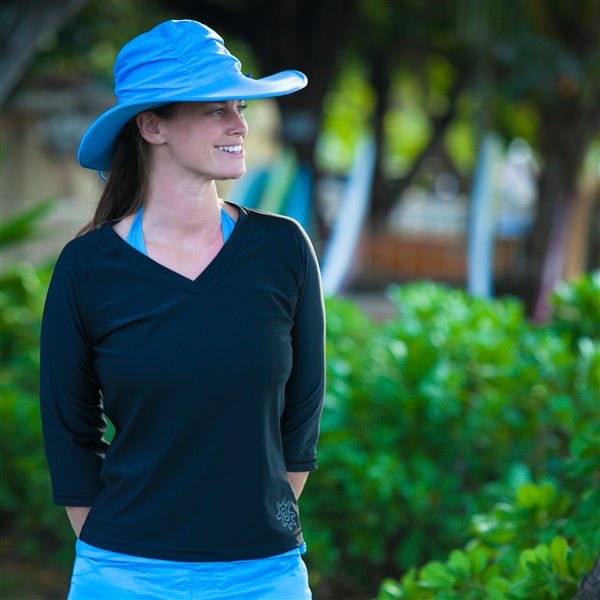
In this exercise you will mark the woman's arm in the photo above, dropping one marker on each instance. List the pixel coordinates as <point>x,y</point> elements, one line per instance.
<point>305,387</point>
<point>297,481</point>
<point>71,408</point>
<point>77,515</point>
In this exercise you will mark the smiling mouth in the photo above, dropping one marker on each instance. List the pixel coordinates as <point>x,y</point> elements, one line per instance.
<point>231,149</point>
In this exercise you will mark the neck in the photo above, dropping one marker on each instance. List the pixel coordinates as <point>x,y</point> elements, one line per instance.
<point>182,209</point>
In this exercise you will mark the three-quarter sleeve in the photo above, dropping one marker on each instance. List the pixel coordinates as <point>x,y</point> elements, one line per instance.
<point>70,401</point>
<point>306,385</point>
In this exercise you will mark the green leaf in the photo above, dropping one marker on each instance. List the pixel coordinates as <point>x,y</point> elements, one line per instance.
<point>527,558</point>
<point>391,589</point>
<point>410,585</point>
<point>528,495</point>
<point>479,560</point>
<point>547,494</point>
<point>559,550</point>
<point>522,589</point>
<point>460,564</point>
<point>437,575</point>
<point>23,226</point>
<point>497,588</point>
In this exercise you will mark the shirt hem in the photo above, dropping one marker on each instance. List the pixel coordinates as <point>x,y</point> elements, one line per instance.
<point>204,556</point>
<point>73,500</point>
<point>300,467</point>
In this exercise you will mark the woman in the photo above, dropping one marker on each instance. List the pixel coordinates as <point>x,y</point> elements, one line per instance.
<point>196,327</point>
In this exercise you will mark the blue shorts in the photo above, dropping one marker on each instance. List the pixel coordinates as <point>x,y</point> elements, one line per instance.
<point>104,575</point>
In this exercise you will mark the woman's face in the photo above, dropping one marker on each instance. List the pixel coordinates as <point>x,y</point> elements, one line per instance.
<point>205,139</point>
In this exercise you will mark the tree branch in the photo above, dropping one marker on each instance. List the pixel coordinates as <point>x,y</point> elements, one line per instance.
<point>25,25</point>
<point>439,126</point>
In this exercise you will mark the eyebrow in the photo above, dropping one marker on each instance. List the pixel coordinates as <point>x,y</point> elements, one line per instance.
<point>223,102</point>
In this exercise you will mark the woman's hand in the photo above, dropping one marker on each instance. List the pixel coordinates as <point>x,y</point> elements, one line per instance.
<point>77,515</point>
<point>297,481</point>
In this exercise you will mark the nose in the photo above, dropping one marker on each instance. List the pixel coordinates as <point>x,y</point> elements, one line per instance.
<point>238,124</point>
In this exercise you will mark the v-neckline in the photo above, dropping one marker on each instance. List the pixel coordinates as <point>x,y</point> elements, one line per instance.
<point>154,268</point>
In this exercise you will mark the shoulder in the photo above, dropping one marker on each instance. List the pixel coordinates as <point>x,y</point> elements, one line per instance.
<point>279,226</point>
<point>80,252</point>
<point>84,244</point>
<point>285,240</point>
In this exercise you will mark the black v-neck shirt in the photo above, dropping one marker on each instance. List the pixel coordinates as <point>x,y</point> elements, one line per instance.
<point>214,386</point>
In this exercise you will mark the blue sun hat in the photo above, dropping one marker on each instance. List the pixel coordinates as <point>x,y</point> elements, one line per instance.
<point>177,61</point>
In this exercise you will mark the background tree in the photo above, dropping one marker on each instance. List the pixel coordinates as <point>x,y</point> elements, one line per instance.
<point>520,68</point>
<point>546,55</point>
<point>534,57</point>
<point>23,27</point>
<point>508,59</point>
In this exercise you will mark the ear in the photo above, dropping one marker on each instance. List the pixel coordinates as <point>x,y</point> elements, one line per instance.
<point>149,126</point>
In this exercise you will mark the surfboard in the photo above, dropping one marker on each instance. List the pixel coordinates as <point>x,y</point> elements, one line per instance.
<point>340,248</point>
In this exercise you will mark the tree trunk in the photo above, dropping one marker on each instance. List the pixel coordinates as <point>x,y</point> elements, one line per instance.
<point>589,588</point>
<point>564,141</point>
<point>306,36</point>
<point>580,231</point>
<point>381,202</point>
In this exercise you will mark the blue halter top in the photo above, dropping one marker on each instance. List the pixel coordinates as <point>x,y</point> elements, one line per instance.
<point>135,236</point>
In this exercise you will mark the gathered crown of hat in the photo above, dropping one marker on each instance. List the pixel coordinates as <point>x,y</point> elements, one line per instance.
<point>177,61</point>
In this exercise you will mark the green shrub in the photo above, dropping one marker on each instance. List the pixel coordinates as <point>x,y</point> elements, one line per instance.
<point>537,543</point>
<point>576,307</point>
<point>31,527</point>
<point>422,413</point>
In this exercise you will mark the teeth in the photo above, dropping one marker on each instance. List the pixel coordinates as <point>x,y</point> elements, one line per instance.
<point>231,148</point>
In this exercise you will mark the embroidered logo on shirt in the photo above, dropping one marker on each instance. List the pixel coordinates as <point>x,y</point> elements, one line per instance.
<point>286,514</point>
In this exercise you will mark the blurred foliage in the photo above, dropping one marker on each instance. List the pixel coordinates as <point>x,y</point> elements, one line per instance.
<point>555,47</point>
<point>518,58</point>
<point>538,542</point>
<point>23,225</point>
<point>415,98</point>
<point>31,527</point>
<point>577,308</point>
<point>425,411</point>
<point>88,44</point>
<point>350,100</point>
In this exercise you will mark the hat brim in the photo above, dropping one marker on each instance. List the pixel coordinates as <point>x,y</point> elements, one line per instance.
<point>97,144</point>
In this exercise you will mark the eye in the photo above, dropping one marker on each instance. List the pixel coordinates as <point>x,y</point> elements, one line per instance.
<point>241,107</point>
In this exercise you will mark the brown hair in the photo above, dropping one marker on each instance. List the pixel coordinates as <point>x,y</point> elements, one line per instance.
<point>127,182</point>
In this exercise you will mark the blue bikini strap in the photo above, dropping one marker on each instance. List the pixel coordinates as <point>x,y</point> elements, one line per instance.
<point>135,237</point>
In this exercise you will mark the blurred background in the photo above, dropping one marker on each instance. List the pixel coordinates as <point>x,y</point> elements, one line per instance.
<point>445,161</point>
